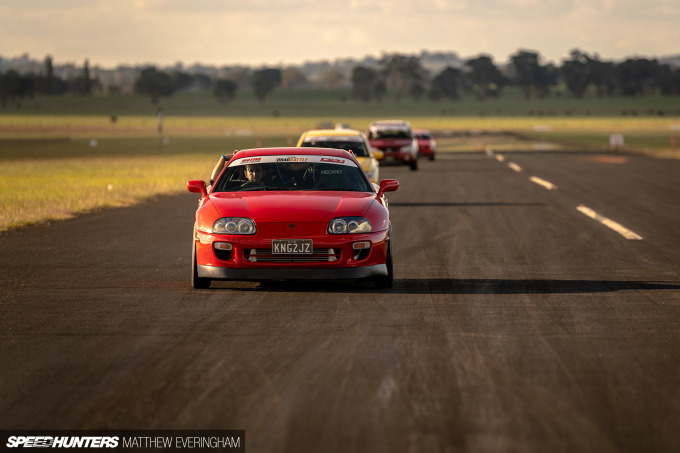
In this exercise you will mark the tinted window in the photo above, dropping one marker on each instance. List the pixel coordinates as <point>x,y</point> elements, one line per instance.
<point>292,176</point>
<point>389,134</point>
<point>357,147</point>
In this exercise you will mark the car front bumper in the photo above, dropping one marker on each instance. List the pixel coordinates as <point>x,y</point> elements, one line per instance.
<point>259,274</point>
<point>397,157</point>
<point>342,261</point>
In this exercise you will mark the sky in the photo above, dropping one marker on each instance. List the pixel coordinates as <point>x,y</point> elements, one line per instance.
<point>290,32</point>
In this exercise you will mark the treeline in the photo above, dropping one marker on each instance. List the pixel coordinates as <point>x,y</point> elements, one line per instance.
<point>404,76</point>
<point>15,87</point>
<point>395,74</point>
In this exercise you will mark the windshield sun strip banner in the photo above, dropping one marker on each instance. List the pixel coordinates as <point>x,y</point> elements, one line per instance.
<point>293,159</point>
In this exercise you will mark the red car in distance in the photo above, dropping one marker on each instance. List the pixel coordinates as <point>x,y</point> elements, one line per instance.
<point>292,214</point>
<point>396,141</point>
<point>427,145</point>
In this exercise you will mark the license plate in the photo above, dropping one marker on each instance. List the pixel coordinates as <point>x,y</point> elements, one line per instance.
<point>292,246</point>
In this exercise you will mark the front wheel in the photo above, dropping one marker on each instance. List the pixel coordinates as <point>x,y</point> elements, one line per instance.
<point>388,280</point>
<point>196,281</point>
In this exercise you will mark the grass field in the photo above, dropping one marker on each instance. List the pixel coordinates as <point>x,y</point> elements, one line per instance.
<point>55,179</point>
<point>65,155</point>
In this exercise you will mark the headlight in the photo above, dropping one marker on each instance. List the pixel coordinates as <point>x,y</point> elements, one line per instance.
<point>408,149</point>
<point>349,225</point>
<point>234,225</point>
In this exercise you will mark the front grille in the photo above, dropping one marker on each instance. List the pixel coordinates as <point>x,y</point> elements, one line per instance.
<point>318,255</point>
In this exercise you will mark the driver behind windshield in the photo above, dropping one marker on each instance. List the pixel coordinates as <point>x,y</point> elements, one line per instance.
<point>254,173</point>
<point>287,175</point>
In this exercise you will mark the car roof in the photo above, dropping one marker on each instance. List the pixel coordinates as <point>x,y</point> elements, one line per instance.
<point>291,150</point>
<point>390,123</point>
<point>331,133</point>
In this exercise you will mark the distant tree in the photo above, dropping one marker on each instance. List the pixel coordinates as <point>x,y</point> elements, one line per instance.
<point>363,83</point>
<point>637,76</point>
<point>264,81</point>
<point>87,81</point>
<point>546,77</point>
<point>577,73</point>
<point>530,74</point>
<point>446,85</point>
<point>402,72</point>
<point>154,84</point>
<point>48,83</point>
<point>333,79</point>
<point>379,89</point>
<point>225,90</point>
<point>15,88</point>
<point>180,80</point>
<point>484,76</point>
<point>82,84</point>
<point>202,82</point>
<point>241,76</point>
<point>526,67</point>
<point>669,80</point>
<point>603,77</point>
<point>416,91</point>
<point>292,78</point>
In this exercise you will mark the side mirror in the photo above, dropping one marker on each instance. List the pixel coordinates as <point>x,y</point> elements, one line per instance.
<point>388,185</point>
<point>197,187</point>
<point>378,154</point>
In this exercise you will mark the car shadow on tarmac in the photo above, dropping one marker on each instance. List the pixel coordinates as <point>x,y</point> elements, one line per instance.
<point>456,286</point>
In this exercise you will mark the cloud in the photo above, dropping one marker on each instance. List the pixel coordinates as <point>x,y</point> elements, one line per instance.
<point>293,31</point>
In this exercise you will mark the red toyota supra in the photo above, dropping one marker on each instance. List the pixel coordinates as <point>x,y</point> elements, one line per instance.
<point>289,214</point>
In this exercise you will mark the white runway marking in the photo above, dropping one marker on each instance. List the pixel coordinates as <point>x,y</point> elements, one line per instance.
<point>515,167</point>
<point>500,158</point>
<point>623,231</point>
<point>543,182</point>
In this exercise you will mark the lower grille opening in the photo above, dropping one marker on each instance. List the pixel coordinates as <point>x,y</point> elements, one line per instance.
<point>224,255</point>
<point>318,255</point>
<point>361,254</point>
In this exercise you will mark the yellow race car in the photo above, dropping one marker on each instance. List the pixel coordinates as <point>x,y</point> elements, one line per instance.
<point>349,140</point>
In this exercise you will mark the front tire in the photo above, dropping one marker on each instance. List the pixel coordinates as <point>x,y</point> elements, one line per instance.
<point>387,281</point>
<point>196,281</point>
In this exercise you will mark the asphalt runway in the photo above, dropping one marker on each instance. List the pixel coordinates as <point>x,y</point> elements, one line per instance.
<point>536,307</point>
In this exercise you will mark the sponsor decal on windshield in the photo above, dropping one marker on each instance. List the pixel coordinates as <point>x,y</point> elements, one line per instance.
<point>293,159</point>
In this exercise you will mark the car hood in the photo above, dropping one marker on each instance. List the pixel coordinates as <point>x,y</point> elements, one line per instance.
<point>295,206</point>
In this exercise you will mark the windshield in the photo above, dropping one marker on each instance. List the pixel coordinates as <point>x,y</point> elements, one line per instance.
<point>292,173</point>
<point>378,134</point>
<point>355,145</point>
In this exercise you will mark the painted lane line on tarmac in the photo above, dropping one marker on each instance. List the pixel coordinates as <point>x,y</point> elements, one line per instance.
<point>515,167</point>
<point>542,182</point>
<point>623,231</point>
<point>500,158</point>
